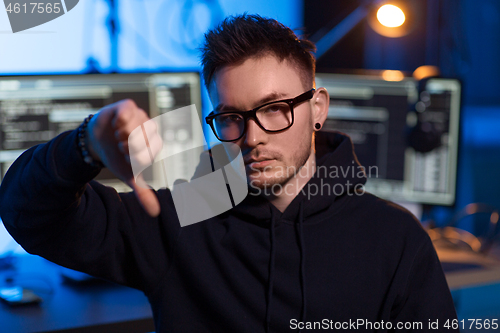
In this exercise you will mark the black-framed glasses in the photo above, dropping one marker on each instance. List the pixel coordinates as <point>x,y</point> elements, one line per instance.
<point>272,117</point>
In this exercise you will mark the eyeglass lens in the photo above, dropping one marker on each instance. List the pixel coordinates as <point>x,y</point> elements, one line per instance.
<point>272,117</point>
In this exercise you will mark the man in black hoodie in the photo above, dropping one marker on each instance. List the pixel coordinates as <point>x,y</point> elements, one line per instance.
<point>307,249</point>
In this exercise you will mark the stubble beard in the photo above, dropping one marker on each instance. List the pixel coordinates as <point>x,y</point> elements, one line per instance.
<point>287,172</point>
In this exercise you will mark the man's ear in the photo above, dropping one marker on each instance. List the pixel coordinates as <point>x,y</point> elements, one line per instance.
<point>320,103</point>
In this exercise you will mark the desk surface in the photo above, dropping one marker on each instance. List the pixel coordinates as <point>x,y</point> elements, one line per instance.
<point>92,307</point>
<point>104,307</point>
<point>474,281</point>
<point>465,268</point>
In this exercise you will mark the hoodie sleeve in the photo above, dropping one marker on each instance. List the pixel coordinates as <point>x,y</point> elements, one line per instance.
<point>51,206</point>
<point>426,297</point>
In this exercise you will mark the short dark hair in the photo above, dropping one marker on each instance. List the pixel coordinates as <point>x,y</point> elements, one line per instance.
<point>238,38</point>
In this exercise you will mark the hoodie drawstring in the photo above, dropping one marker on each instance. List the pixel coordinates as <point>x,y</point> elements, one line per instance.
<point>271,267</point>
<point>271,272</point>
<point>302,263</point>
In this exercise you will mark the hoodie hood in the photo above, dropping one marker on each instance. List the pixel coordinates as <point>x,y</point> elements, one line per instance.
<point>338,172</point>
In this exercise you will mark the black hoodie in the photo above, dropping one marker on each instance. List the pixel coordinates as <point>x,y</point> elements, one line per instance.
<point>340,258</point>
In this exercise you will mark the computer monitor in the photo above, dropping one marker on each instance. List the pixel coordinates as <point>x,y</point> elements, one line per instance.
<point>35,109</point>
<point>375,114</point>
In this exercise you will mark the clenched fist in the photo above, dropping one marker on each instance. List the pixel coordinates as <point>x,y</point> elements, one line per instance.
<point>108,141</point>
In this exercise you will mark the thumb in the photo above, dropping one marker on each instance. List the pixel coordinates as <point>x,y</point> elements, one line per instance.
<point>146,197</point>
